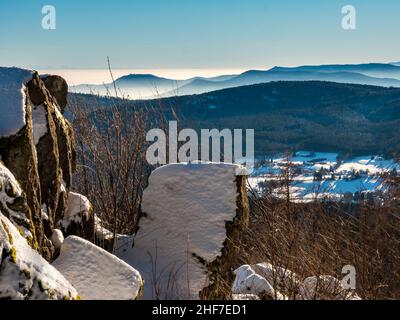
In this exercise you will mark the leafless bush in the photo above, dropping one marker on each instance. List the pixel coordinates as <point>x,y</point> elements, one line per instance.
<point>319,238</point>
<point>112,170</point>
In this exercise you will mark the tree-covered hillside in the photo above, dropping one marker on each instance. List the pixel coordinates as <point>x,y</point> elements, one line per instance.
<point>325,116</point>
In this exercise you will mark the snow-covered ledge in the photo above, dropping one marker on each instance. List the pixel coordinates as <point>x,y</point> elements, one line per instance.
<point>96,273</point>
<point>190,211</point>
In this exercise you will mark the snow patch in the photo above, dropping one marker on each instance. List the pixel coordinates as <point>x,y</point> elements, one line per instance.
<point>12,100</point>
<point>57,238</point>
<point>78,207</point>
<point>10,191</point>
<point>102,233</point>
<point>44,213</point>
<point>39,121</point>
<point>245,297</point>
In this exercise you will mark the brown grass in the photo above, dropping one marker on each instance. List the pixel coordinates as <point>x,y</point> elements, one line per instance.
<point>320,238</point>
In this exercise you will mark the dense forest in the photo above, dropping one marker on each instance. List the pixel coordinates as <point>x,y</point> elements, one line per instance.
<point>325,116</point>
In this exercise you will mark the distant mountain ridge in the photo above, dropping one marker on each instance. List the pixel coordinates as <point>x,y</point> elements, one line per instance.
<point>148,86</point>
<point>371,69</point>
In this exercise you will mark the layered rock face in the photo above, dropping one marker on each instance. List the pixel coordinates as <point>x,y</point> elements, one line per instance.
<point>192,215</point>
<point>37,147</point>
<point>37,206</point>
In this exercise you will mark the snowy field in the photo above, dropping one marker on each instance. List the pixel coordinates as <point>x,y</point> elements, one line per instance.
<point>323,175</point>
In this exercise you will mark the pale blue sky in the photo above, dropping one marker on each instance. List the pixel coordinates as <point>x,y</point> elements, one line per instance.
<point>156,34</point>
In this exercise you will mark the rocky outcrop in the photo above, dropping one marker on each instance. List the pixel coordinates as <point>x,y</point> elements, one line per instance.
<point>37,161</point>
<point>268,282</point>
<point>24,274</point>
<point>55,148</point>
<point>17,147</point>
<point>192,216</point>
<point>50,175</point>
<point>39,148</point>
<point>96,273</point>
<point>58,89</point>
<point>57,238</point>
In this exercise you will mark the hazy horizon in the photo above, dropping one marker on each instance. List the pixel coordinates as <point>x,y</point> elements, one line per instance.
<point>100,76</point>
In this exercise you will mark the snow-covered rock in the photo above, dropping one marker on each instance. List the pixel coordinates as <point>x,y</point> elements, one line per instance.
<point>97,274</point>
<point>248,281</point>
<point>57,238</point>
<point>37,145</point>
<point>78,216</point>
<point>280,278</point>
<point>272,282</point>
<point>24,274</point>
<point>190,212</point>
<point>39,120</point>
<point>102,233</point>
<point>17,147</point>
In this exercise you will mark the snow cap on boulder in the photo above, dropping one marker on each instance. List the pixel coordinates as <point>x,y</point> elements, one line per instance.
<point>57,238</point>
<point>96,273</point>
<point>267,281</point>
<point>192,213</point>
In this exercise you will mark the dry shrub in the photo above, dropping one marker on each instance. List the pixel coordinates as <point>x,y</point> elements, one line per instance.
<point>112,170</point>
<point>320,238</point>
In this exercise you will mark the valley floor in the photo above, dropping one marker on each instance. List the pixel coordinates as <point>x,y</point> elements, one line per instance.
<point>321,175</point>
